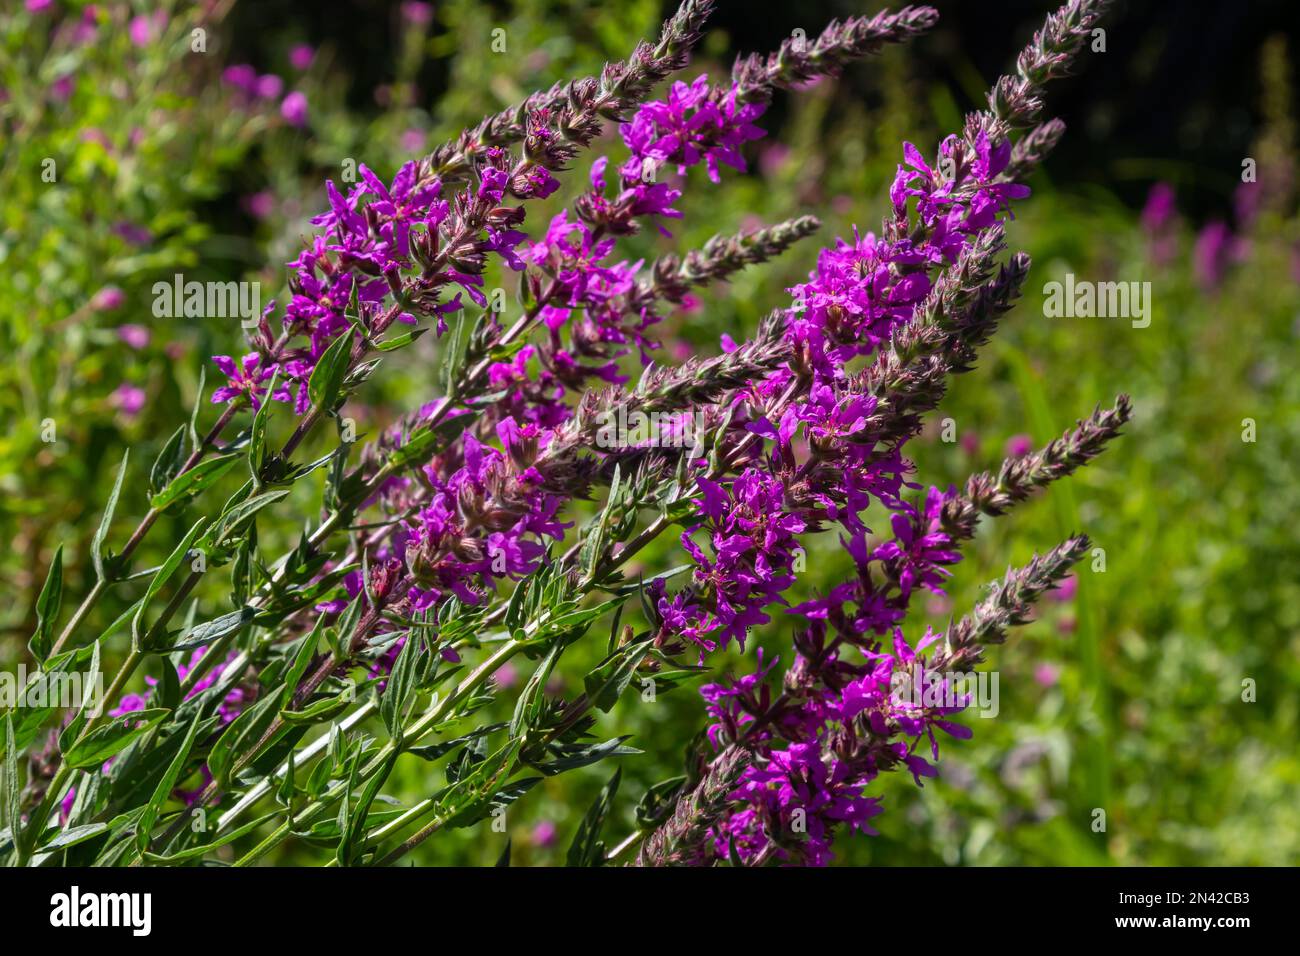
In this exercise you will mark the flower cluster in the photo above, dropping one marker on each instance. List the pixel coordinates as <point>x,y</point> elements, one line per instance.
<point>802,429</point>
<point>833,729</point>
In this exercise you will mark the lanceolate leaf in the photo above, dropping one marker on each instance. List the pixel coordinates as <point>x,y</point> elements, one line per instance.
<point>606,683</point>
<point>101,533</point>
<point>47,608</point>
<point>246,730</point>
<point>162,577</point>
<point>209,631</point>
<point>103,742</point>
<point>13,804</point>
<point>327,378</point>
<point>168,462</point>
<point>468,799</point>
<point>194,852</point>
<point>199,478</point>
<point>166,784</point>
<point>586,849</point>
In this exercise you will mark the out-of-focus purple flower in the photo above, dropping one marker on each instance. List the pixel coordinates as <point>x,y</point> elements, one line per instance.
<point>108,298</point>
<point>135,336</point>
<point>1211,254</point>
<point>38,6</point>
<point>241,76</point>
<point>301,56</point>
<point>412,140</point>
<point>269,86</point>
<point>294,109</point>
<point>132,233</point>
<point>1066,590</point>
<point>1160,208</point>
<point>771,159</point>
<point>417,13</point>
<point>1019,445</point>
<point>1046,675</point>
<point>1159,221</point>
<point>144,29</point>
<point>259,205</point>
<point>61,88</point>
<point>1246,203</point>
<point>544,834</point>
<point>128,399</point>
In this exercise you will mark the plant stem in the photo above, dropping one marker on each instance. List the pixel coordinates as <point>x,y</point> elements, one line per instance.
<point>101,585</point>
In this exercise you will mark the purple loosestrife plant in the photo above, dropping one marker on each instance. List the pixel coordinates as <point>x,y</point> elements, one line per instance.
<point>457,541</point>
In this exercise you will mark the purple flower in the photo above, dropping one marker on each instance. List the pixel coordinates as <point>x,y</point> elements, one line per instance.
<point>695,123</point>
<point>294,109</point>
<point>301,56</point>
<point>1211,254</point>
<point>135,336</point>
<point>245,379</point>
<point>416,12</point>
<point>144,29</point>
<point>129,399</point>
<point>241,76</point>
<point>107,299</point>
<point>269,86</point>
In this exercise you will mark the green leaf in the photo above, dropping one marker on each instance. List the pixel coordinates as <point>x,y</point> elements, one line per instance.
<point>357,823</point>
<point>101,533</point>
<point>234,517</point>
<point>74,835</point>
<point>529,705</point>
<point>169,684</point>
<point>244,732</point>
<point>320,711</point>
<point>47,609</point>
<point>209,631</point>
<point>257,433</point>
<point>583,755</point>
<point>593,546</point>
<point>104,742</point>
<point>439,750</point>
<point>168,462</point>
<point>284,793</point>
<point>465,801</point>
<point>606,683</point>
<point>194,412</point>
<point>301,661</point>
<point>421,443</point>
<point>161,578</point>
<point>401,685</point>
<point>400,341</point>
<point>166,785</point>
<point>198,479</point>
<point>658,803</point>
<point>13,805</point>
<point>586,849</point>
<point>327,377</point>
<point>197,851</point>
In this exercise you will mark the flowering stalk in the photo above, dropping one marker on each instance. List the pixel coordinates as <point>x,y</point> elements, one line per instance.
<point>465,502</point>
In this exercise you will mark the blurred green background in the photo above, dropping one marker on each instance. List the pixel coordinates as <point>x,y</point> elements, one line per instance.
<point>1125,696</point>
